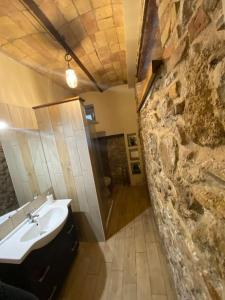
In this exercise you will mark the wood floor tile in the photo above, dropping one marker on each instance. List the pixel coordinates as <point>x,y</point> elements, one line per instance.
<point>103,283</point>
<point>130,265</point>
<point>143,280</point>
<point>159,297</point>
<point>155,270</point>
<point>116,285</point>
<point>129,291</point>
<point>118,257</point>
<point>139,235</point>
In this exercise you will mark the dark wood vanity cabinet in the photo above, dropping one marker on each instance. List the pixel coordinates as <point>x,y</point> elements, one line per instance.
<point>44,270</point>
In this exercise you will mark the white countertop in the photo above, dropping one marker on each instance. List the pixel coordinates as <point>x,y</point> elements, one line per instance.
<point>13,250</point>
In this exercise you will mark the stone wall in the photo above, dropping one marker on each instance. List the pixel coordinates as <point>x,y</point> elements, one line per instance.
<point>8,201</point>
<point>182,127</point>
<point>114,158</point>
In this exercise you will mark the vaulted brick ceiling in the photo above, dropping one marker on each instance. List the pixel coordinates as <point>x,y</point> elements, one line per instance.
<point>94,29</point>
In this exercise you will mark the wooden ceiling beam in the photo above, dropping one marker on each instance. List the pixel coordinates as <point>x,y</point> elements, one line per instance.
<point>149,39</point>
<point>38,13</point>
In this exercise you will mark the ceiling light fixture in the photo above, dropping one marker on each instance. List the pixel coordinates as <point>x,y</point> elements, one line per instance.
<point>3,125</point>
<point>71,77</point>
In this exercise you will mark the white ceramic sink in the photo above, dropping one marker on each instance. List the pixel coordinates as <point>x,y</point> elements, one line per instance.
<point>29,236</point>
<point>33,233</point>
<point>46,226</point>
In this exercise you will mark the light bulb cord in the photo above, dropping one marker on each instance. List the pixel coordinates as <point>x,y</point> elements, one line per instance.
<point>68,58</point>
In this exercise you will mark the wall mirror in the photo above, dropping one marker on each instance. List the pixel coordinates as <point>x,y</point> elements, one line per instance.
<point>23,169</point>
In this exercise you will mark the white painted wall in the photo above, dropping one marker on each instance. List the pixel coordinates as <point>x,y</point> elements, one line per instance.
<point>23,86</point>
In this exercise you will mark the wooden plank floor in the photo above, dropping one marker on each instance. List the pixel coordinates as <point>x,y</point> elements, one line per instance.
<point>130,265</point>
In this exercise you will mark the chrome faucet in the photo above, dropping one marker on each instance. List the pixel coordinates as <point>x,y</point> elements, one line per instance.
<point>32,218</point>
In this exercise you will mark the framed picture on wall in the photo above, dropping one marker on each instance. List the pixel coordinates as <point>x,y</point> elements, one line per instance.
<point>134,154</point>
<point>136,168</point>
<point>132,140</point>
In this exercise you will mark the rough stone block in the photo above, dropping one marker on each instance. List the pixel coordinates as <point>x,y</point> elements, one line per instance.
<point>179,107</point>
<point>173,14</point>
<point>173,90</point>
<point>168,51</point>
<point>168,150</point>
<point>165,108</point>
<point>181,135</point>
<point>210,5</point>
<point>166,32</point>
<point>178,54</point>
<point>220,24</point>
<point>212,198</point>
<point>162,7</point>
<point>198,23</point>
<point>187,11</point>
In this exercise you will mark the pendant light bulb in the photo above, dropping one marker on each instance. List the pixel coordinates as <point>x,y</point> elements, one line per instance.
<point>71,78</point>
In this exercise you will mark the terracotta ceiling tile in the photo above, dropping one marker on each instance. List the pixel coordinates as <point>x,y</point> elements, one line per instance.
<point>108,67</point>
<point>9,30</point>
<point>3,41</point>
<point>115,47</point>
<point>33,21</point>
<point>112,75</point>
<point>123,57</point>
<point>53,13</point>
<point>104,55</point>
<point>123,46</point>
<point>87,45</point>
<point>121,35</point>
<point>99,3</point>
<point>78,29</point>
<point>68,9</point>
<point>42,44</point>
<point>18,5</point>
<point>13,51</point>
<point>104,24</point>
<point>95,60</point>
<point>83,6</point>
<point>6,7</point>
<point>68,35</point>
<point>103,52</point>
<point>101,72</point>
<point>118,14</point>
<point>22,22</point>
<point>60,55</point>
<point>97,76</point>
<point>117,65</point>
<point>48,43</point>
<point>115,56</point>
<point>100,38</point>
<point>103,12</point>
<point>85,60</point>
<point>79,51</point>
<point>111,35</point>
<point>90,66</point>
<point>39,2</point>
<point>56,65</point>
<point>89,22</point>
<point>93,39</point>
<point>24,47</point>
